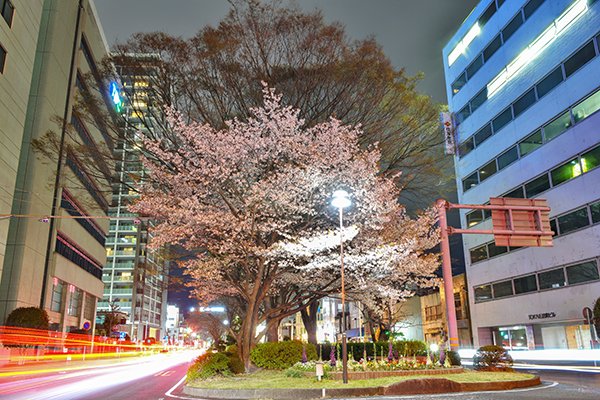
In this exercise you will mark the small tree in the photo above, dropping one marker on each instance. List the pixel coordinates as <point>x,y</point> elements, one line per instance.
<point>112,317</point>
<point>29,317</point>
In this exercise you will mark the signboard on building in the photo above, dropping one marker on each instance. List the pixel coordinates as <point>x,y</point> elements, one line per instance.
<point>448,128</point>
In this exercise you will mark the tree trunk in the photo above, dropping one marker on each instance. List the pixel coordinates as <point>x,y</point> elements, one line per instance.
<point>273,330</point>
<point>309,319</point>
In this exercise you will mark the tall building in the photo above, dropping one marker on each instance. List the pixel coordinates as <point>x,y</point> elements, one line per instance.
<point>51,256</point>
<point>135,277</point>
<point>522,80</point>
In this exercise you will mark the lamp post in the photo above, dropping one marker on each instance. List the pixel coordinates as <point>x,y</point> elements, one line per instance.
<point>341,200</point>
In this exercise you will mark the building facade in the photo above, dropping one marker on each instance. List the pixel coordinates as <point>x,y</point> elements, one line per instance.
<point>522,81</point>
<point>53,255</point>
<point>135,277</point>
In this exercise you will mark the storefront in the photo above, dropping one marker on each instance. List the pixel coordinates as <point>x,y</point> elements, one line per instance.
<point>566,335</point>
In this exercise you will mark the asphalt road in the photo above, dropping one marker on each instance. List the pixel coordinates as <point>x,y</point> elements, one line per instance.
<point>160,377</point>
<point>149,378</point>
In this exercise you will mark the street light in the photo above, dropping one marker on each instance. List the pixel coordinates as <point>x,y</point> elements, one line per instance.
<point>341,200</point>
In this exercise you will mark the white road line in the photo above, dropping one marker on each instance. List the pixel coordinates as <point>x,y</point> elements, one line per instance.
<point>170,391</point>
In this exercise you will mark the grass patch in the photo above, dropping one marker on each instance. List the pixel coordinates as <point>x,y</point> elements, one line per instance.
<point>278,380</point>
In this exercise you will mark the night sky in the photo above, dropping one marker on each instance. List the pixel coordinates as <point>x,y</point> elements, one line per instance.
<point>412,33</point>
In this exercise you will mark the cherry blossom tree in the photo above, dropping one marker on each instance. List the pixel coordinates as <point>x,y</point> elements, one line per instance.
<point>252,200</point>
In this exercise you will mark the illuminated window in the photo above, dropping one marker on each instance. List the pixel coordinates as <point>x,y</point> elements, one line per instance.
<point>563,173</point>
<point>590,160</point>
<point>139,104</point>
<point>140,84</point>
<point>459,83</point>
<point>470,181</point>
<point>474,217</point>
<point>487,170</point>
<point>483,293</point>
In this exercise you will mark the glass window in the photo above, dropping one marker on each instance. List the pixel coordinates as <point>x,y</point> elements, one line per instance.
<point>525,284</point>
<point>487,213</point>
<point>551,279</point>
<point>494,250</point>
<point>568,170</point>
<point>75,302</point>
<point>2,59</point>
<point>508,157</point>
<point>584,272</point>
<point>549,82</point>
<point>579,59</point>
<point>531,6</point>
<point>483,134</point>
<point>483,293</point>
<point>553,227</point>
<point>586,107</point>
<point>595,211</point>
<point>57,295</point>
<point>470,181</point>
<point>463,114</point>
<point>501,120</point>
<point>492,48</point>
<point>478,253</point>
<point>459,83</point>
<point>573,221</point>
<point>517,193</point>
<point>487,14</point>
<point>503,289</point>
<point>558,126</point>
<point>524,102</point>
<point>590,160</point>
<point>465,147</point>
<point>530,143</point>
<point>537,186</point>
<point>479,99</point>
<point>474,217</point>
<point>487,170</point>
<point>90,307</point>
<point>474,66</point>
<point>512,26</point>
<point>7,11</point>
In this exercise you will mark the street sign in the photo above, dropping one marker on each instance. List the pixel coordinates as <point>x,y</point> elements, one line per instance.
<point>523,222</point>
<point>587,315</point>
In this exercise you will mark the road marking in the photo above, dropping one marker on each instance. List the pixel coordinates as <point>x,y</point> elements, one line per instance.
<point>553,384</point>
<point>169,393</point>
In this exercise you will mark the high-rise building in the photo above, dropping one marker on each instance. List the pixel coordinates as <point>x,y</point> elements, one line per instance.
<point>51,255</point>
<point>523,83</point>
<point>135,277</point>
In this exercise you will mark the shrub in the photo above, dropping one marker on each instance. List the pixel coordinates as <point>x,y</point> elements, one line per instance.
<point>236,365</point>
<point>454,358</point>
<point>209,365</point>
<point>492,358</point>
<point>281,355</point>
<point>28,317</point>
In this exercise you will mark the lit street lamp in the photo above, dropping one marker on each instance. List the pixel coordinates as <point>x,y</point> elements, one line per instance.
<point>341,200</point>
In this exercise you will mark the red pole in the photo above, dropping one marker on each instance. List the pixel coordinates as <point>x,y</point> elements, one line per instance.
<point>447,275</point>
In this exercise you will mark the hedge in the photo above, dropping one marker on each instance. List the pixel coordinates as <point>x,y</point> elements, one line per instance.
<point>281,355</point>
<point>406,348</point>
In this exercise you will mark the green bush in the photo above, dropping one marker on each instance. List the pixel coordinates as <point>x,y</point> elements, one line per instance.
<point>209,365</point>
<point>236,365</point>
<point>454,358</point>
<point>28,317</point>
<point>492,358</point>
<point>404,348</point>
<point>281,355</point>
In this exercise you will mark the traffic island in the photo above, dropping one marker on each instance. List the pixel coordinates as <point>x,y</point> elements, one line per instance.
<point>275,385</point>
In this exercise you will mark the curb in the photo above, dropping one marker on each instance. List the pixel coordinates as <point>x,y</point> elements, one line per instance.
<point>411,386</point>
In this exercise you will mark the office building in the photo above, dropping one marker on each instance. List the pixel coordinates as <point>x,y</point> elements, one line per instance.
<point>522,80</point>
<point>135,276</point>
<point>51,256</point>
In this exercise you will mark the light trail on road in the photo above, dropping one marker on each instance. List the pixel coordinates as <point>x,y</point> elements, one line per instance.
<point>84,383</point>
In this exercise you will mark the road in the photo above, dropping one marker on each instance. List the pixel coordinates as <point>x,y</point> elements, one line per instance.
<point>148,378</point>
<point>159,377</point>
